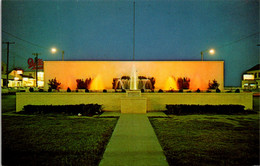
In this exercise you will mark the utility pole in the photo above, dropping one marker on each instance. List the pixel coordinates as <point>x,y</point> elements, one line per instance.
<point>7,70</point>
<point>62,52</point>
<point>36,71</point>
<point>134,32</point>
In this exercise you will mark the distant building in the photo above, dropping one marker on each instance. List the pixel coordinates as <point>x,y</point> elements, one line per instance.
<point>20,78</point>
<point>251,78</point>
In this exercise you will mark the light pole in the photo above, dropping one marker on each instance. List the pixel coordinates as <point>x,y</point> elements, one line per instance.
<point>210,51</point>
<point>36,61</point>
<point>54,50</point>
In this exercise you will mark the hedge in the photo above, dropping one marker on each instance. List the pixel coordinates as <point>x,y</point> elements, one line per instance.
<point>83,109</point>
<point>206,109</point>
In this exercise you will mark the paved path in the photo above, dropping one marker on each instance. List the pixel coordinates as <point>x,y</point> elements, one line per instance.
<point>133,143</point>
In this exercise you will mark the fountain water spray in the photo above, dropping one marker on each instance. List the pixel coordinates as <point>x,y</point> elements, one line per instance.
<point>133,79</point>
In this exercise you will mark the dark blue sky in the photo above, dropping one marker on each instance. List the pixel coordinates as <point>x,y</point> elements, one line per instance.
<point>165,30</point>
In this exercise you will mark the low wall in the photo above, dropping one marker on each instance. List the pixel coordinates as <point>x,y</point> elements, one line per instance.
<point>112,101</point>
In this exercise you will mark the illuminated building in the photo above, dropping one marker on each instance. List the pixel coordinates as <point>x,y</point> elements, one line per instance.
<point>251,78</point>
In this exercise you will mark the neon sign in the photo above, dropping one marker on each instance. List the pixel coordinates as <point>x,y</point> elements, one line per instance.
<point>32,64</point>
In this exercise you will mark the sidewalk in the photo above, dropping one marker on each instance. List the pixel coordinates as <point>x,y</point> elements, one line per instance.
<point>133,143</point>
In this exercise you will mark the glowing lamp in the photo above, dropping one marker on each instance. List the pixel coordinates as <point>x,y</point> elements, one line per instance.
<point>212,51</point>
<point>53,50</point>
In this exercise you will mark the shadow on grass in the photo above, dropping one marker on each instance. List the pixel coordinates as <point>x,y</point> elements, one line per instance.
<point>42,140</point>
<point>209,142</point>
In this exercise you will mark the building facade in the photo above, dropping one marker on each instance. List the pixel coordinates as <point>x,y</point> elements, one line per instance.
<point>251,78</point>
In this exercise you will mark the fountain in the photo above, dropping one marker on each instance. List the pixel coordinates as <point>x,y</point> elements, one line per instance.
<point>133,79</point>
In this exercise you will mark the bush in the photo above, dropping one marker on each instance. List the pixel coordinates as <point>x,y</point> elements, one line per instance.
<point>68,89</point>
<point>81,84</point>
<point>54,84</point>
<point>123,90</point>
<point>183,83</point>
<point>41,90</point>
<point>31,89</point>
<point>181,90</point>
<point>84,109</point>
<point>213,85</point>
<point>198,90</point>
<point>206,109</point>
<point>86,90</point>
<point>142,90</point>
<point>105,91</point>
<point>218,90</point>
<point>237,91</point>
<point>160,91</point>
<point>49,90</point>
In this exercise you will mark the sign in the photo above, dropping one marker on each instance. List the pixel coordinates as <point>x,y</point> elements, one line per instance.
<point>32,64</point>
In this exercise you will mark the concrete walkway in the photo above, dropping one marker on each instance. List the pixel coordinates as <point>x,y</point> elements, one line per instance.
<point>133,143</point>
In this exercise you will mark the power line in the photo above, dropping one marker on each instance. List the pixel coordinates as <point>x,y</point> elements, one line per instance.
<point>253,34</point>
<point>24,40</point>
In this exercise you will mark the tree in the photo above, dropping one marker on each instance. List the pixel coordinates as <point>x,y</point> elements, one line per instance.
<point>213,85</point>
<point>54,84</point>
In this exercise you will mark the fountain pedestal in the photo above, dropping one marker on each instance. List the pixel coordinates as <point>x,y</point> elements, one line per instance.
<point>133,103</point>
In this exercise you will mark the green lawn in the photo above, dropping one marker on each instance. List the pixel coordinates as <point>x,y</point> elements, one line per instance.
<point>209,139</point>
<point>60,140</point>
<point>8,103</point>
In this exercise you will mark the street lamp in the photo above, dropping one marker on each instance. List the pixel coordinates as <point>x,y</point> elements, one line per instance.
<point>36,71</point>
<point>210,51</point>
<point>54,50</point>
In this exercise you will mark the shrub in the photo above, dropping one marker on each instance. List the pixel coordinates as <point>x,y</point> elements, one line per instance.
<point>84,109</point>
<point>198,90</point>
<point>183,83</point>
<point>208,91</point>
<point>49,90</point>
<point>123,90</point>
<point>54,84</point>
<point>86,90</point>
<point>81,84</point>
<point>68,89</point>
<point>40,90</point>
<point>206,109</point>
<point>104,90</point>
<point>213,85</point>
<point>218,90</point>
<point>160,91</point>
<point>181,90</point>
<point>142,90</point>
<point>31,89</point>
<point>237,91</point>
<point>152,80</point>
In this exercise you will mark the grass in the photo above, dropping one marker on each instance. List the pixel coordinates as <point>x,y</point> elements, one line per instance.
<point>209,139</point>
<point>60,140</point>
<point>8,103</point>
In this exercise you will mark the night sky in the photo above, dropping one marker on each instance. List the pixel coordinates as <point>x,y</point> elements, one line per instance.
<point>165,30</point>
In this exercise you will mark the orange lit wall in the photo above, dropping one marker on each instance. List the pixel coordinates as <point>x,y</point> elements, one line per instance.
<point>166,73</point>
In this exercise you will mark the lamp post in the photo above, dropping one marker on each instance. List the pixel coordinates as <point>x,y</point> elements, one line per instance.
<point>36,61</point>
<point>210,51</point>
<point>54,50</point>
